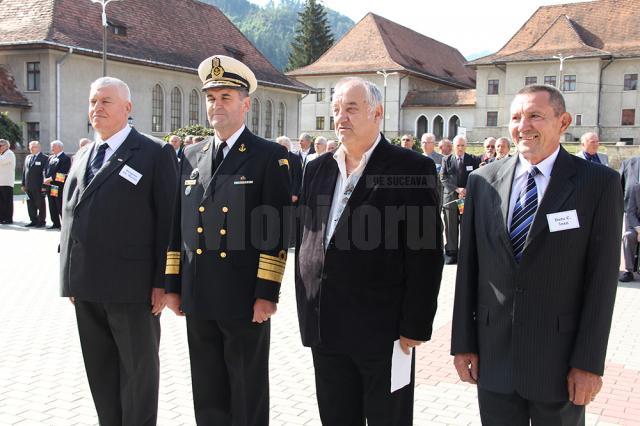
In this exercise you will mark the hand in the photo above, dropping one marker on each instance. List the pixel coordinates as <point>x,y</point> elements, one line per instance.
<point>47,181</point>
<point>637,229</point>
<point>263,310</point>
<point>157,300</point>
<point>72,300</point>
<point>173,301</point>
<point>583,386</point>
<point>467,367</point>
<point>406,344</point>
<point>294,198</point>
<point>23,189</point>
<point>462,193</point>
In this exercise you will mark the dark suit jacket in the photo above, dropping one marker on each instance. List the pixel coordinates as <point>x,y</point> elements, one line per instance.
<point>629,175</point>
<point>60,164</point>
<point>114,233</point>
<point>530,323</point>
<point>379,276</point>
<point>237,256</point>
<point>33,174</point>
<point>449,174</point>
<point>632,210</point>
<point>295,173</point>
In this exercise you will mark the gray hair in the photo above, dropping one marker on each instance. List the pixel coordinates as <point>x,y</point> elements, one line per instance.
<point>4,142</point>
<point>503,139</point>
<point>321,140</point>
<point>459,137</point>
<point>428,136</point>
<point>584,137</point>
<point>57,143</point>
<point>284,141</point>
<point>84,141</point>
<point>372,93</point>
<point>34,143</point>
<point>555,96</point>
<point>306,137</point>
<point>112,81</point>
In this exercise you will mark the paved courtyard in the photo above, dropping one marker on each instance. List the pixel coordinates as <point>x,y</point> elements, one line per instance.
<point>42,378</point>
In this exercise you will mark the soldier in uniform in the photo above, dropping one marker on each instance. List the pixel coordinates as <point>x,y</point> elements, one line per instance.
<point>227,253</point>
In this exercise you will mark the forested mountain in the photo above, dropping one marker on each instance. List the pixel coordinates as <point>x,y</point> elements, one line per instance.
<point>272,27</point>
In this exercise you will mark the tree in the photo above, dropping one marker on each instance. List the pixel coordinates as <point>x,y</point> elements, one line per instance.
<point>195,130</point>
<point>313,36</point>
<point>10,130</point>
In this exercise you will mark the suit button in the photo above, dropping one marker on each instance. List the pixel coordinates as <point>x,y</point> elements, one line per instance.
<point>199,230</point>
<point>199,251</point>
<point>225,209</point>
<point>223,232</point>
<point>201,209</point>
<point>223,254</point>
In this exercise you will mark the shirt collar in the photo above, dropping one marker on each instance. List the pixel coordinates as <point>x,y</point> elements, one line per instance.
<point>544,167</point>
<point>116,140</point>
<point>231,139</point>
<point>340,157</point>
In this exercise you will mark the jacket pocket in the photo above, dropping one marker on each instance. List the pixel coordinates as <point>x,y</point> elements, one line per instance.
<point>482,315</point>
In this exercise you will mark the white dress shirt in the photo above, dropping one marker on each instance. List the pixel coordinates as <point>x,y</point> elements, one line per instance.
<point>230,141</point>
<point>114,143</point>
<point>345,184</point>
<point>521,175</point>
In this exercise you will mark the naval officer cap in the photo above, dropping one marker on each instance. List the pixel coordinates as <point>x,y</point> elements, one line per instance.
<point>224,71</point>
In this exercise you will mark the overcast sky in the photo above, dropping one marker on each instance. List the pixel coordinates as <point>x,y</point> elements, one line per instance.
<point>471,26</point>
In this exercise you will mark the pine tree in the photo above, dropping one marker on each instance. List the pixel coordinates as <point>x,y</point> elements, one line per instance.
<point>313,36</point>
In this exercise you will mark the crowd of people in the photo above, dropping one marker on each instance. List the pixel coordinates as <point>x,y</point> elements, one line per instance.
<point>204,228</point>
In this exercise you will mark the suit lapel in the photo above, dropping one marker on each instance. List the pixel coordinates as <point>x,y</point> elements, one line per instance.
<point>323,188</point>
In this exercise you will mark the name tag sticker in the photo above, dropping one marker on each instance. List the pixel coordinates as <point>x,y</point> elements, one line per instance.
<point>243,182</point>
<point>469,168</point>
<point>37,163</point>
<point>190,182</point>
<point>131,175</point>
<point>563,221</point>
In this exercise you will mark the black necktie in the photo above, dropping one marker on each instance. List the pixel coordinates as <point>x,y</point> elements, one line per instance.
<point>219,155</point>
<point>32,160</point>
<point>96,164</point>
<point>592,157</point>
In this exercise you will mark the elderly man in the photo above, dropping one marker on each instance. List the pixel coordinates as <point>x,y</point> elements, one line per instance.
<point>428,143</point>
<point>489,153</point>
<point>332,145</point>
<point>631,234</point>
<point>454,173</point>
<point>533,307</point>
<point>84,141</point>
<point>228,251</point>
<point>32,179</point>
<point>445,146</point>
<point>7,175</point>
<point>320,146</point>
<point>406,141</point>
<point>503,149</point>
<point>176,143</point>
<point>188,140</point>
<point>361,296</point>
<point>306,147</point>
<point>589,144</point>
<point>55,175</point>
<point>116,218</point>
<point>295,168</point>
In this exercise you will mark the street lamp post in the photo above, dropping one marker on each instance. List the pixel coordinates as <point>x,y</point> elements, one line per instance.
<point>561,59</point>
<point>385,74</point>
<point>105,24</point>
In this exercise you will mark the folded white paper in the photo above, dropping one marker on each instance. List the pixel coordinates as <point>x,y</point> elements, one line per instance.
<point>400,367</point>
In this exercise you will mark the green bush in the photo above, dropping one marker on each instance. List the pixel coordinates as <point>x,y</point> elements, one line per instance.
<point>196,130</point>
<point>10,130</point>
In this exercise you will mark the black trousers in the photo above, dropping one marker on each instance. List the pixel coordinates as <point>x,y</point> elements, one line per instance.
<point>120,344</point>
<point>451,228</point>
<point>55,208</point>
<point>351,388</point>
<point>498,409</point>
<point>6,204</point>
<point>36,207</point>
<point>229,371</point>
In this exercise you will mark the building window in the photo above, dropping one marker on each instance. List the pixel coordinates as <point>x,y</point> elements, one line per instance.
<point>332,124</point>
<point>33,76</point>
<point>319,123</point>
<point>569,83</point>
<point>492,118</point>
<point>530,80</point>
<point>630,81</point>
<point>33,132</point>
<point>157,112</point>
<point>628,117</point>
<point>627,141</point>
<point>194,108</point>
<point>268,120</point>
<point>281,112</point>
<point>320,95</point>
<point>255,117</point>
<point>176,109</point>
<point>120,30</point>
<point>493,88</point>
<point>578,119</point>
<point>550,80</point>
<point>332,91</point>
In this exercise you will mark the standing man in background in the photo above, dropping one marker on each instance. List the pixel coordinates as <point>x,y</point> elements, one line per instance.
<point>589,145</point>
<point>445,147</point>
<point>32,179</point>
<point>55,175</point>
<point>116,220</point>
<point>306,148</point>
<point>428,143</point>
<point>7,176</point>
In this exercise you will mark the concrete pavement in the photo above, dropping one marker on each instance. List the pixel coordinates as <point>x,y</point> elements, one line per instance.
<point>42,378</point>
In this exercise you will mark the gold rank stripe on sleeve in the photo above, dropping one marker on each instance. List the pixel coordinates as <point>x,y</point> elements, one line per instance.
<point>271,268</point>
<point>281,260</point>
<point>270,275</point>
<point>173,263</point>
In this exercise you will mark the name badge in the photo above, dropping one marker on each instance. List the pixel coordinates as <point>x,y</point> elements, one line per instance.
<point>131,175</point>
<point>243,182</point>
<point>563,221</point>
<point>38,163</point>
<point>190,182</point>
<point>469,168</point>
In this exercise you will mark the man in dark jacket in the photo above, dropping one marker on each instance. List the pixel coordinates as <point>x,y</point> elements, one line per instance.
<point>32,178</point>
<point>55,175</point>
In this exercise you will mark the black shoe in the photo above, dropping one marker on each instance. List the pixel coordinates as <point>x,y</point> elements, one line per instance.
<point>450,260</point>
<point>53,227</point>
<point>626,277</point>
<point>6,222</point>
<point>40,225</point>
<point>30,225</point>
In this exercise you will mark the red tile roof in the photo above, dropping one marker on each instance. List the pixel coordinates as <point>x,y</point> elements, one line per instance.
<point>174,34</point>
<point>606,28</point>
<point>440,98</point>
<point>9,94</point>
<point>376,43</point>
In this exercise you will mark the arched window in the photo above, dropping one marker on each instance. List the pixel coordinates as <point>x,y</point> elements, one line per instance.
<point>255,116</point>
<point>194,108</point>
<point>157,109</point>
<point>422,126</point>
<point>454,123</point>
<point>438,127</point>
<point>281,113</point>
<point>176,109</point>
<point>268,120</point>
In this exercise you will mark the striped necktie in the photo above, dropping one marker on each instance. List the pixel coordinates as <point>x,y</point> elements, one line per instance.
<point>523,213</point>
<point>96,164</point>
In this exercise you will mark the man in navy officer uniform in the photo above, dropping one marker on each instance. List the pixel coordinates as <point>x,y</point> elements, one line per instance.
<point>227,253</point>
